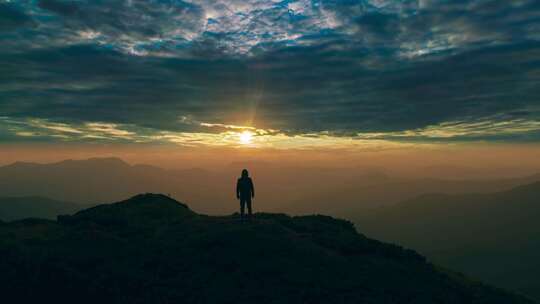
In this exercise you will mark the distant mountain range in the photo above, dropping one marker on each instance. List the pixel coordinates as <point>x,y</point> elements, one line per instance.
<point>356,197</point>
<point>81,181</point>
<point>495,237</point>
<point>334,191</point>
<point>153,249</point>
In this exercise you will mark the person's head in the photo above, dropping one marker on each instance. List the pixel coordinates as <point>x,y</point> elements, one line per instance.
<point>245,173</point>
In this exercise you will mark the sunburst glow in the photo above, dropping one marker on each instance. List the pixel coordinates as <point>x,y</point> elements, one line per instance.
<point>246,137</point>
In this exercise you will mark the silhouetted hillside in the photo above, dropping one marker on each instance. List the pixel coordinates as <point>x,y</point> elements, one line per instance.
<point>152,249</point>
<point>491,236</point>
<point>16,208</point>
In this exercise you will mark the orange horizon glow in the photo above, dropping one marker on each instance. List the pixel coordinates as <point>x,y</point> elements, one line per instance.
<point>501,160</point>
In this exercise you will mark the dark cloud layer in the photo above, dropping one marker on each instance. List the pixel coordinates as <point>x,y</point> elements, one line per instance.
<point>346,67</point>
<point>11,17</point>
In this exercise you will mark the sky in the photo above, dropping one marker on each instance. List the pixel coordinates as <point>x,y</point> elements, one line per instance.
<point>319,75</point>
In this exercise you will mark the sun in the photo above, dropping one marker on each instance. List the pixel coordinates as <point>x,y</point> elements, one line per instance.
<point>246,137</point>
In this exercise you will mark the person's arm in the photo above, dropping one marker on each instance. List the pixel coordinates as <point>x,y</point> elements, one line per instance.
<point>238,189</point>
<point>252,188</point>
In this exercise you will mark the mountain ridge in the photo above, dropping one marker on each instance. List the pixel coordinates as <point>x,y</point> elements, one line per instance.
<point>474,233</point>
<point>154,249</point>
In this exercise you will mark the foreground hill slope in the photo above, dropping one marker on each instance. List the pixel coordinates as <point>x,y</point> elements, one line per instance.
<point>152,249</point>
<point>493,237</point>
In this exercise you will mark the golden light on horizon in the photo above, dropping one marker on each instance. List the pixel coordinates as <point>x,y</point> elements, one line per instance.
<point>246,137</point>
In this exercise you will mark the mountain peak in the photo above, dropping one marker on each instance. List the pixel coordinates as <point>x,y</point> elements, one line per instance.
<point>142,209</point>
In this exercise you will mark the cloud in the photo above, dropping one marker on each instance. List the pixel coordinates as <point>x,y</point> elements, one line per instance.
<point>128,25</point>
<point>300,67</point>
<point>42,129</point>
<point>228,136</point>
<point>107,129</point>
<point>489,128</point>
<point>60,128</point>
<point>239,27</point>
<point>12,18</point>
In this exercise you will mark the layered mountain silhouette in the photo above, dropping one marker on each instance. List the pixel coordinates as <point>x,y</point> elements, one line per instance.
<point>153,249</point>
<point>360,196</point>
<point>81,181</point>
<point>490,236</point>
<point>333,191</point>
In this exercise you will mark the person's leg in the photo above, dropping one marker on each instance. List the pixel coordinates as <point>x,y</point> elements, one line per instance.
<point>242,207</point>
<point>248,202</point>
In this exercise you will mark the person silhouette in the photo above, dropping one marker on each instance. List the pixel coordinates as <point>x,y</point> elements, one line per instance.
<point>245,192</point>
